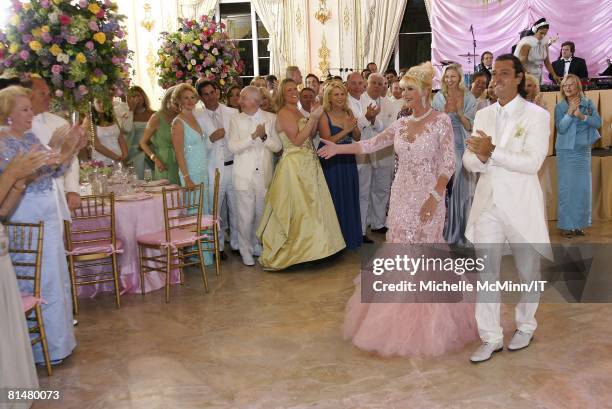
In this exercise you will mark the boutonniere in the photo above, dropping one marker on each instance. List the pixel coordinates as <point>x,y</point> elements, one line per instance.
<point>520,132</point>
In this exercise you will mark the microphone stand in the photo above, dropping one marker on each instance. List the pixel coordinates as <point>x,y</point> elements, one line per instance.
<point>474,43</point>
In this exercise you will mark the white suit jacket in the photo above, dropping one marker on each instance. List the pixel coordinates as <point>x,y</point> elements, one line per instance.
<point>249,153</point>
<point>509,179</point>
<point>216,149</point>
<point>368,130</point>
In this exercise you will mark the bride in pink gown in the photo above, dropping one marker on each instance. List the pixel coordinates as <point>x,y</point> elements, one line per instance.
<point>424,145</point>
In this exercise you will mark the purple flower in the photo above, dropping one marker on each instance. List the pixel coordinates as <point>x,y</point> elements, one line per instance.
<point>89,45</point>
<point>46,37</point>
<point>56,69</point>
<point>83,4</point>
<point>98,73</point>
<point>26,38</point>
<point>93,26</point>
<point>24,55</point>
<point>69,84</point>
<point>72,39</point>
<point>44,4</point>
<point>116,60</point>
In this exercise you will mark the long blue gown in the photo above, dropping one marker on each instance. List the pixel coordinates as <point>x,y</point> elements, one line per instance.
<point>343,182</point>
<point>463,184</point>
<point>573,155</point>
<point>196,158</point>
<point>41,202</point>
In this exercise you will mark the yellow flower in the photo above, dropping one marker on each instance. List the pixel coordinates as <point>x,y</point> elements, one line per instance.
<point>222,81</point>
<point>100,37</point>
<point>35,45</point>
<point>197,42</point>
<point>57,1</point>
<point>94,8</point>
<point>13,48</point>
<point>15,20</point>
<point>80,58</point>
<point>55,50</point>
<point>36,32</point>
<point>44,29</point>
<point>26,6</point>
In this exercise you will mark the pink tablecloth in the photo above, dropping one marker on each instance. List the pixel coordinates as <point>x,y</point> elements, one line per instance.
<point>131,220</point>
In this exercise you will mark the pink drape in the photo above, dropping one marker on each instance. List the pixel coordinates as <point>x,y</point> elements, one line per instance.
<point>588,23</point>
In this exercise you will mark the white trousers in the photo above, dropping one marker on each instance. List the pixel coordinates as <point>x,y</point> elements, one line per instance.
<point>227,208</point>
<point>365,183</point>
<point>249,207</point>
<point>380,191</point>
<point>494,227</point>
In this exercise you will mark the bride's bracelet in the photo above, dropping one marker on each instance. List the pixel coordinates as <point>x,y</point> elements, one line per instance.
<point>435,195</point>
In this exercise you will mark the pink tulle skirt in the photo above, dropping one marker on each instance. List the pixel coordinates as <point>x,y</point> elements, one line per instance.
<point>408,329</point>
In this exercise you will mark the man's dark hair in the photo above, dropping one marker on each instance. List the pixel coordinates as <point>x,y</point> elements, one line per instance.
<point>572,46</point>
<point>391,71</point>
<point>201,84</point>
<point>478,74</point>
<point>518,68</point>
<point>482,56</point>
<point>271,78</point>
<point>307,89</point>
<point>312,76</point>
<point>370,63</point>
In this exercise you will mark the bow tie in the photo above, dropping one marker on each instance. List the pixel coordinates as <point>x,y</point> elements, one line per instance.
<point>568,60</point>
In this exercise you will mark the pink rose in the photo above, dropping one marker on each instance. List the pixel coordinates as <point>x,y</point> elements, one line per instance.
<point>89,45</point>
<point>24,55</point>
<point>72,39</point>
<point>44,4</point>
<point>179,74</point>
<point>93,26</point>
<point>59,93</point>
<point>83,90</point>
<point>83,4</point>
<point>46,37</point>
<point>100,14</point>
<point>56,69</point>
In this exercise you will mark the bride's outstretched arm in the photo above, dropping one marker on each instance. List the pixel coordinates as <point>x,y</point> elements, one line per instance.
<point>380,141</point>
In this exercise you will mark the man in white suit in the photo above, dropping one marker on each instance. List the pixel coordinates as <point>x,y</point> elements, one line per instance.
<point>214,120</point>
<point>366,112</point>
<point>508,150</point>
<point>253,140</point>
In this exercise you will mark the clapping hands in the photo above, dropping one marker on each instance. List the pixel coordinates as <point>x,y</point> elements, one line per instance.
<point>371,112</point>
<point>25,165</point>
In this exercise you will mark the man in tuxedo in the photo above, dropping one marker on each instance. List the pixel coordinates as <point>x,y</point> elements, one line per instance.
<point>486,64</point>
<point>214,120</point>
<point>253,140</point>
<point>508,148</point>
<point>568,64</point>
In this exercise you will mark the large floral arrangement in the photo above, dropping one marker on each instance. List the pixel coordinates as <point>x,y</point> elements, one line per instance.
<point>78,46</point>
<point>198,49</point>
<point>89,167</point>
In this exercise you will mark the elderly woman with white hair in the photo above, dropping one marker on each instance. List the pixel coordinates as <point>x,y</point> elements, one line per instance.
<point>253,140</point>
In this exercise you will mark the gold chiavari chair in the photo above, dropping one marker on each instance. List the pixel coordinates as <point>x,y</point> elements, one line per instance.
<point>211,224</point>
<point>25,248</point>
<point>92,245</point>
<point>179,244</point>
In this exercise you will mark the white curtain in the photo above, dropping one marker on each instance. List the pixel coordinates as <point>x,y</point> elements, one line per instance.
<point>196,8</point>
<point>428,8</point>
<point>383,19</point>
<point>272,14</point>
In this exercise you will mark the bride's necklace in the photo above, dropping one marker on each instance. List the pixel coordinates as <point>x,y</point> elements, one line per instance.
<point>418,118</point>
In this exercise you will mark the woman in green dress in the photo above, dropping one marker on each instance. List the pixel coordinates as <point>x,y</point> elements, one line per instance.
<point>299,223</point>
<point>140,109</point>
<point>156,141</point>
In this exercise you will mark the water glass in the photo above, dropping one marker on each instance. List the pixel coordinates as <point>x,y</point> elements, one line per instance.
<point>148,175</point>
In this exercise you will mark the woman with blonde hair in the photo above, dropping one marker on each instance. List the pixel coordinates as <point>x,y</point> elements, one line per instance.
<point>159,135</point>
<point>458,102</point>
<point>40,201</point>
<point>140,107</point>
<point>299,223</point>
<point>423,142</point>
<point>339,125</point>
<point>577,121</point>
<point>266,100</point>
<point>532,88</point>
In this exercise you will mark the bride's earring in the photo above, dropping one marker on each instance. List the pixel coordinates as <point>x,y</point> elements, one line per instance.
<point>9,121</point>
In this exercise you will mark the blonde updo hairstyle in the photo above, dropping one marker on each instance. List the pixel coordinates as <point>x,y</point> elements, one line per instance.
<point>7,100</point>
<point>178,92</point>
<point>420,76</point>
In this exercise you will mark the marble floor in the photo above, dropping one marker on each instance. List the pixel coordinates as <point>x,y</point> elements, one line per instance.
<point>261,340</point>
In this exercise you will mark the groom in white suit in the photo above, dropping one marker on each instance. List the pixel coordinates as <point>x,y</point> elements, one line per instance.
<point>508,150</point>
<point>253,140</point>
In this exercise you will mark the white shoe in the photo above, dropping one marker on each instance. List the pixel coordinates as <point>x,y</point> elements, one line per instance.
<point>486,351</point>
<point>520,340</point>
<point>247,260</point>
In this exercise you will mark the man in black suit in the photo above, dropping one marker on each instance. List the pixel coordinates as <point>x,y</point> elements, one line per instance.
<point>486,64</point>
<point>568,64</point>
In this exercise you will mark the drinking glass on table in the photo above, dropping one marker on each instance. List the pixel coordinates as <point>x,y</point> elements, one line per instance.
<point>148,175</point>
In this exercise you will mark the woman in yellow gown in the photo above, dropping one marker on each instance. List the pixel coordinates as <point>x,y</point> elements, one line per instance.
<point>299,223</point>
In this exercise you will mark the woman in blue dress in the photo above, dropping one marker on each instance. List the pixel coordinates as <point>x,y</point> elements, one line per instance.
<point>460,105</point>
<point>577,121</point>
<point>42,202</point>
<point>140,109</point>
<point>190,147</point>
<point>338,125</point>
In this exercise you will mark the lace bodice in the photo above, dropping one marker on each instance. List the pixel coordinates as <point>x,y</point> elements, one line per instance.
<point>11,146</point>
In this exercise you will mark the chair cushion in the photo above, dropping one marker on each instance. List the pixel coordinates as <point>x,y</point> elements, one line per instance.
<point>28,302</point>
<point>178,238</point>
<point>103,247</point>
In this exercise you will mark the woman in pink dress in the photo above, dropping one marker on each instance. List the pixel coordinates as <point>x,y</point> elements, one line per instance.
<point>424,146</point>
